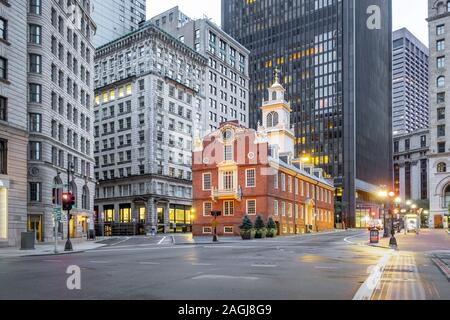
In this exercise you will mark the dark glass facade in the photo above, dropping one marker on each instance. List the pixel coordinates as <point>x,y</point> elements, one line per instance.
<point>337,73</point>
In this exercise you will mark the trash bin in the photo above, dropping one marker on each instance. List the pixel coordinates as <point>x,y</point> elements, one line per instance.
<point>91,235</point>
<point>27,241</point>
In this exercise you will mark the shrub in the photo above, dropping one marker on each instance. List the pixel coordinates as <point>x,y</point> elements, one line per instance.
<point>259,223</point>
<point>247,224</point>
<point>271,228</point>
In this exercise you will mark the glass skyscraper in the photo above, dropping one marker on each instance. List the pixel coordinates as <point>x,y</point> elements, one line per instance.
<point>335,58</point>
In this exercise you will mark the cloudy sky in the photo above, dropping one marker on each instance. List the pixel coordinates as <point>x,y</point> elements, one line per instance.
<point>407,13</point>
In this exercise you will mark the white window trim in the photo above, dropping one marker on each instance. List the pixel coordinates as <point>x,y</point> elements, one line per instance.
<point>203,181</point>
<point>283,182</point>
<point>246,205</point>
<point>225,232</point>
<point>224,211</point>
<point>275,181</point>
<point>246,178</point>
<point>205,232</point>
<point>204,213</point>
<point>276,208</point>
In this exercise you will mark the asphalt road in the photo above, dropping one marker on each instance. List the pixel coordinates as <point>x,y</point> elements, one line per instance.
<point>325,266</point>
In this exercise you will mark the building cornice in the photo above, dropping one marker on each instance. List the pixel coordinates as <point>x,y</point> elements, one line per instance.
<point>147,31</point>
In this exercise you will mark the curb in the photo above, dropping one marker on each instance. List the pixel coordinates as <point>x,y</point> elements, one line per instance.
<point>443,267</point>
<point>60,253</point>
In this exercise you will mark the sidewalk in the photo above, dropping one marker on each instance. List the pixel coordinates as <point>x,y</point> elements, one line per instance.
<point>49,249</point>
<point>189,239</point>
<point>426,241</point>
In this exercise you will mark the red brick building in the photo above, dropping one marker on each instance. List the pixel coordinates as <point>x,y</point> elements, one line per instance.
<point>240,171</point>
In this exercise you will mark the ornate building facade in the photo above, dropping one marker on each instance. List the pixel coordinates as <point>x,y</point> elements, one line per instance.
<point>149,106</point>
<point>439,92</point>
<point>240,171</point>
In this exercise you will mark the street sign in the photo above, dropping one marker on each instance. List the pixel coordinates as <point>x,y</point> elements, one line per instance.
<point>57,214</point>
<point>374,236</point>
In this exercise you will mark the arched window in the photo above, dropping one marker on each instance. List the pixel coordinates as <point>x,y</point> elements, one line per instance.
<point>57,191</point>
<point>274,96</point>
<point>442,167</point>
<point>447,197</point>
<point>448,6</point>
<point>441,82</point>
<point>85,198</point>
<point>272,119</point>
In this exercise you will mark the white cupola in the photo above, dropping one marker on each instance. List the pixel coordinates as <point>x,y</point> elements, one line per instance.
<point>276,119</point>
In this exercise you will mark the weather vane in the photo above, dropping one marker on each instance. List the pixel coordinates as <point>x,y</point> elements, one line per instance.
<point>277,75</point>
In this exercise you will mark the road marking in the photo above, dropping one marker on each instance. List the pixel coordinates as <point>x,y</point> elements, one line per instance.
<point>201,264</point>
<point>327,268</point>
<point>352,237</point>
<point>443,267</point>
<point>162,240</point>
<point>143,249</point>
<point>149,263</point>
<point>122,241</point>
<point>230,247</point>
<point>222,277</point>
<point>264,266</point>
<point>366,291</point>
<point>99,262</point>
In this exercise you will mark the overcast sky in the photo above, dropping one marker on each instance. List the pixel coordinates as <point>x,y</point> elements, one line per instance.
<point>407,13</point>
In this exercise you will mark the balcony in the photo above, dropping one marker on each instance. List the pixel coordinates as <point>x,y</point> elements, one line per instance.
<point>231,194</point>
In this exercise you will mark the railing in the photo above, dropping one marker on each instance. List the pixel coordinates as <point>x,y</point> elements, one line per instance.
<point>226,194</point>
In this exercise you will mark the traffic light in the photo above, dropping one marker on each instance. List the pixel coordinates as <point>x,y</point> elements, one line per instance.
<point>68,201</point>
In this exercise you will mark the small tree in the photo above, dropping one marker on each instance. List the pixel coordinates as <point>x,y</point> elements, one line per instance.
<point>247,224</point>
<point>259,223</point>
<point>247,231</point>
<point>271,224</point>
<point>271,228</point>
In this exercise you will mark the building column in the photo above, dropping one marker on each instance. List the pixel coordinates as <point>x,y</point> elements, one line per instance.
<point>167,217</point>
<point>116,213</point>
<point>152,219</point>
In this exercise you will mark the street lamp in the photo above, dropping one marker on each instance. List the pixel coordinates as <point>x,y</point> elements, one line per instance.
<point>392,200</point>
<point>383,194</point>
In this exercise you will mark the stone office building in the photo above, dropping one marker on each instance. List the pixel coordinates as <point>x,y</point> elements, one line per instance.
<point>149,104</point>
<point>439,91</point>
<point>59,94</point>
<point>411,165</point>
<point>13,122</point>
<point>227,80</point>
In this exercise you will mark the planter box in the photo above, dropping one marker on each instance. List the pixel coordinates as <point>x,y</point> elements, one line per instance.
<point>248,235</point>
<point>260,234</point>
<point>271,233</point>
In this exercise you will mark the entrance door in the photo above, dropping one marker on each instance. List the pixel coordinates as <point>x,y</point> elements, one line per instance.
<point>35,225</point>
<point>438,222</point>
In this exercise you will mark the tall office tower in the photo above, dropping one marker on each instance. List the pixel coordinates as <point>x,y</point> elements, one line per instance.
<point>410,83</point>
<point>13,121</point>
<point>60,90</point>
<point>336,61</point>
<point>439,160</point>
<point>115,18</point>
<point>149,106</point>
<point>227,82</point>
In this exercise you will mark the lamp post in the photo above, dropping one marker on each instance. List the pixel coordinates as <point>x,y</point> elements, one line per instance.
<point>383,194</point>
<point>68,246</point>
<point>392,200</point>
